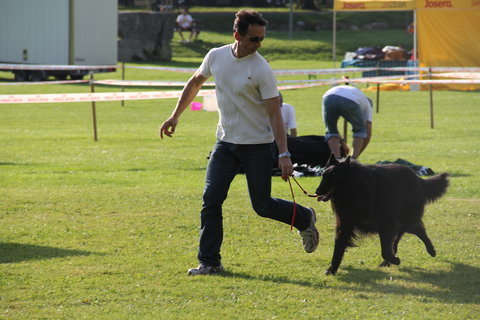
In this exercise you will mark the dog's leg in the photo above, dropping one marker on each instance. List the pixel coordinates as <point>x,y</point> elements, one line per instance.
<point>344,238</point>
<point>387,239</point>
<point>419,230</point>
<point>395,249</point>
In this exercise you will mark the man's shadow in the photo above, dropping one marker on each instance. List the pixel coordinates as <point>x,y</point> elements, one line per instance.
<point>16,252</point>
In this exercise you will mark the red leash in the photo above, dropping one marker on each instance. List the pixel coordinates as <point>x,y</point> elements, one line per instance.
<point>305,192</point>
<point>294,204</point>
<point>293,198</point>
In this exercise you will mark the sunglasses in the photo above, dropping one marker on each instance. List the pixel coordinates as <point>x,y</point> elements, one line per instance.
<point>255,39</point>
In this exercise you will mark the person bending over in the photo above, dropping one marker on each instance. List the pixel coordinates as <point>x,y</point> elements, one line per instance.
<point>352,104</point>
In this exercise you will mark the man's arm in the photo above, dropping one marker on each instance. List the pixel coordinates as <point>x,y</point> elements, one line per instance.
<point>189,93</point>
<point>273,109</point>
<point>368,124</point>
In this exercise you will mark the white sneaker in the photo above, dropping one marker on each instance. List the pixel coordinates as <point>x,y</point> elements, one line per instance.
<point>310,236</point>
<point>205,270</point>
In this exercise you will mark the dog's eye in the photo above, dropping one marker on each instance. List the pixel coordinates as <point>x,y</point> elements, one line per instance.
<point>326,173</point>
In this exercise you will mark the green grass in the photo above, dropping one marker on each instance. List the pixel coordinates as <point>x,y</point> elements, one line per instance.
<point>107,229</point>
<point>304,45</point>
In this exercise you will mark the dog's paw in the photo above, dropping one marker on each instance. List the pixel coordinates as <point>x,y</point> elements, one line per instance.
<point>395,261</point>
<point>384,264</point>
<point>432,252</point>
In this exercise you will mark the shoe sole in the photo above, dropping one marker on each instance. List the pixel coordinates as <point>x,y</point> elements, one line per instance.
<point>314,215</point>
<point>316,246</point>
<point>314,218</point>
<point>192,273</point>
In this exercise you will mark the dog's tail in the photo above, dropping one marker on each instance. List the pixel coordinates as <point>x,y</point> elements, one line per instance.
<point>435,187</point>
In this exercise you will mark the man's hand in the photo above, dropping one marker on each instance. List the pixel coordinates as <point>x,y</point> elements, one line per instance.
<point>285,164</point>
<point>344,147</point>
<point>168,127</point>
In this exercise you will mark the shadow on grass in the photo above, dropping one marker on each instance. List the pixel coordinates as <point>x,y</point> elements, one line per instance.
<point>275,279</point>
<point>459,285</point>
<point>459,175</point>
<point>14,164</point>
<point>62,172</point>
<point>16,252</point>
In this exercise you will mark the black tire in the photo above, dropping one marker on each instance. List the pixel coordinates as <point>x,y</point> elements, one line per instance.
<point>38,76</point>
<point>76,76</point>
<point>61,76</point>
<point>21,75</point>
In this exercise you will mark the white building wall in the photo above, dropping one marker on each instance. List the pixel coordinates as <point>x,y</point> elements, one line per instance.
<point>38,32</point>
<point>95,32</point>
<point>33,31</point>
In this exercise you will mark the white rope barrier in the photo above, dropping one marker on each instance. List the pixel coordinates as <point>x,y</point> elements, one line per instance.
<point>141,83</point>
<point>329,71</point>
<point>98,96</point>
<point>29,83</point>
<point>116,96</point>
<point>444,81</point>
<point>10,66</point>
<point>458,75</point>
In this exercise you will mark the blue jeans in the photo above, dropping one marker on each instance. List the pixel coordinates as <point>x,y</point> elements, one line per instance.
<point>225,160</point>
<point>335,106</point>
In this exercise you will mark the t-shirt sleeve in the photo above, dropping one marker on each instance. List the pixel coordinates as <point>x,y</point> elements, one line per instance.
<point>204,68</point>
<point>268,83</point>
<point>367,109</point>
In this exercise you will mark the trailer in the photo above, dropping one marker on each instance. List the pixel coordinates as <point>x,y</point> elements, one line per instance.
<point>59,38</point>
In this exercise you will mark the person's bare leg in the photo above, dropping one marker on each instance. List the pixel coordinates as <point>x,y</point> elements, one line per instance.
<point>334,145</point>
<point>180,33</point>
<point>357,146</point>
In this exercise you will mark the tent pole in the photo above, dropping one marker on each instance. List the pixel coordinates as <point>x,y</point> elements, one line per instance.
<point>334,42</point>
<point>415,36</point>
<point>430,87</point>
<point>290,21</point>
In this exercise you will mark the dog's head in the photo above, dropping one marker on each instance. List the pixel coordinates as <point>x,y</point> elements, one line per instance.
<point>333,176</point>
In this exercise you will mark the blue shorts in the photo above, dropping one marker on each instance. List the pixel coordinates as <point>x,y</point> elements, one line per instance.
<point>335,107</point>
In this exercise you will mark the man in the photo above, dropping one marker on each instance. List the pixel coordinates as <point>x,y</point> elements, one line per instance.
<point>288,116</point>
<point>350,103</point>
<point>249,121</point>
<point>185,22</point>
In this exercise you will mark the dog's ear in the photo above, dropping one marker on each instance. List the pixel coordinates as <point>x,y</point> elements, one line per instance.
<point>347,161</point>
<point>331,160</point>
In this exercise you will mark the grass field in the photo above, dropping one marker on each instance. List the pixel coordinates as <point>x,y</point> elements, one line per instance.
<point>304,45</point>
<point>108,229</point>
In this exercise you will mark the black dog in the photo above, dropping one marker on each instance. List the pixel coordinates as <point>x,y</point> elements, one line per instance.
<point>385,199</point>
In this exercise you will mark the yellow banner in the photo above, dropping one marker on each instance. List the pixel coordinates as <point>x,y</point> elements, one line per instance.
<point>399,5</point>
<point>447,4</point>
<point>374,5</point>
<point>449,38</point>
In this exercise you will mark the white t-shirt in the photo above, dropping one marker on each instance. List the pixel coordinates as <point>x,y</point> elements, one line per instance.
<point>241,85</point>
<point>184,20</point>
<point>356,95</point>
<point>288,115</point>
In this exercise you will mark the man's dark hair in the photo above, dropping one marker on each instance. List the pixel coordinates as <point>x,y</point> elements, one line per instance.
<point>245,18</point>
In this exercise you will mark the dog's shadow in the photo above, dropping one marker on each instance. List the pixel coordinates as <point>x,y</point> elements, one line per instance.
<point>459,285</point>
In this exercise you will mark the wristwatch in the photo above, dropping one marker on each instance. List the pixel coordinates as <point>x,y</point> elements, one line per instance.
<point>285,155</point>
